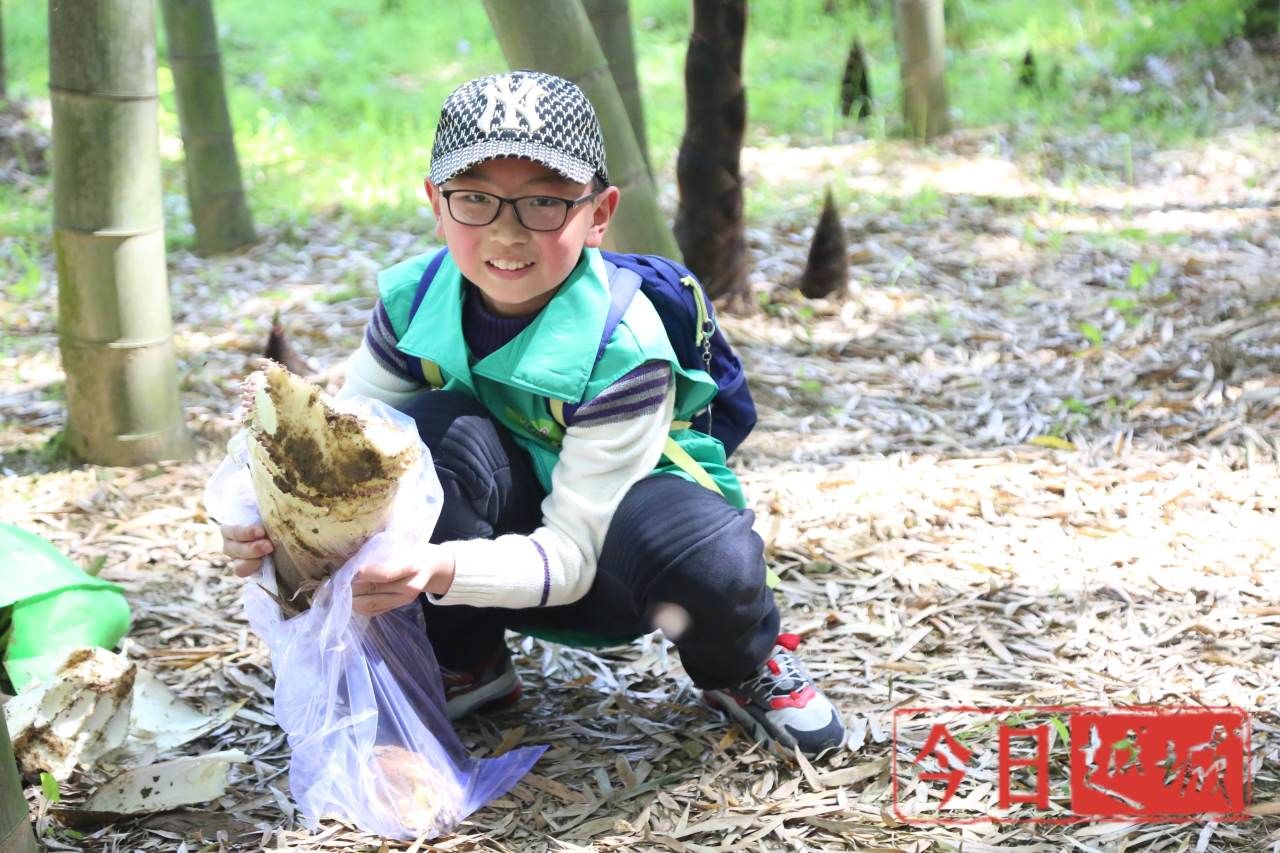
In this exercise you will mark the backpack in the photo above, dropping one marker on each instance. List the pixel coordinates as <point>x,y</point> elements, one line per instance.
<point>690,324</point>
<point>690,321</point>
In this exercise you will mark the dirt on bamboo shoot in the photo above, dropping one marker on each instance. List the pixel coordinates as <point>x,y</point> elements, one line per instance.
<point>325,478</point>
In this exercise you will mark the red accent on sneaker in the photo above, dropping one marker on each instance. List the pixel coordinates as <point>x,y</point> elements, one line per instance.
<point>774,668</point>
<point>790,642</point>
<point>797,699</point>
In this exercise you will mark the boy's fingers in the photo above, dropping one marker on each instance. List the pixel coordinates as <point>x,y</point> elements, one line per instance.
<point>242,532</point>
<point>374,573</point>
<point>245,568</point>
<point>247,550</point>
<point>372,605</point>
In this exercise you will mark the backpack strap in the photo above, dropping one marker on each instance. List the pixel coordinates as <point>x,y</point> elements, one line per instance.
<point>686,463</point>
<point>430,370</point>
<point>424,283</point>
<point>623,285</point>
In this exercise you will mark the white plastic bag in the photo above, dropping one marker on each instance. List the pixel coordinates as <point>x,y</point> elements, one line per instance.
<point>361,698</point>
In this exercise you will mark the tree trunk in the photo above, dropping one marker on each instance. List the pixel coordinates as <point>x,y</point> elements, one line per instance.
<point>611,20</point>
<point>214,187</point>
<point>709,221</point>
<point>115,331</point>
<point>15,826</point>
<point>922,63</point>
<point>1262,19</point>
<point>574,54</point>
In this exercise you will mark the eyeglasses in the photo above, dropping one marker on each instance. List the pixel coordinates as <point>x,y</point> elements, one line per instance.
<point>535,212</point>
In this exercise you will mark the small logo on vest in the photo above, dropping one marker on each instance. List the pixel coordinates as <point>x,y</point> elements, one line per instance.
<point>523,103</point>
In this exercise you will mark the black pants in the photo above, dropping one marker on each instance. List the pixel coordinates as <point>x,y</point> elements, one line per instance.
<point>670,541</point>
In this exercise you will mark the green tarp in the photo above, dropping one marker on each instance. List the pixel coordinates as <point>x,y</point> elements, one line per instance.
<point>49,605</point>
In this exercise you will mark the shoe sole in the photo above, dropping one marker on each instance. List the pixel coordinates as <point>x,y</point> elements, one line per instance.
<point>780,743</point>
<point>502,692</point>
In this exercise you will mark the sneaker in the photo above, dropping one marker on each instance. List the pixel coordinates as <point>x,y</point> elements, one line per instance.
<point>780,703</point>
<point>494,684</point>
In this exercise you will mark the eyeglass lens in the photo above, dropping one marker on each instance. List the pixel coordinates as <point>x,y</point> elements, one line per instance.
<point>537,213</point>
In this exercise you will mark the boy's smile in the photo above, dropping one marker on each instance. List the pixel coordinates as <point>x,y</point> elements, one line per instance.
<point>518,270</point>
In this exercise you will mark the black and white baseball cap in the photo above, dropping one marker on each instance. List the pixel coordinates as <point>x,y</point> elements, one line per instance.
<point>526,114</point>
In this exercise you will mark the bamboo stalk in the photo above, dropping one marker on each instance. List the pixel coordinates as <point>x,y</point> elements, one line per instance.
<point>15,825</point>
<point>115,331</point>
<point>574,54</point>
<point>611,20</point>
<point>922,63</point>
<point>215,189</point>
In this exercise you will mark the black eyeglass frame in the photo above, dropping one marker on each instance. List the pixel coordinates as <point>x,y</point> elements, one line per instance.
<point>569,205</point>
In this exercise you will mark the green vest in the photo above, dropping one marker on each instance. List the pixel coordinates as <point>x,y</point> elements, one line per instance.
<point>553,361</point>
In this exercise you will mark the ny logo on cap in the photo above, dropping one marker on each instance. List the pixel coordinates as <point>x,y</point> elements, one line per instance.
<point>521,103</point>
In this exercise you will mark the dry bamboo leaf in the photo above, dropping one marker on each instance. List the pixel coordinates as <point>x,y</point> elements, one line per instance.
<point>165,785</point>
<point>911,404</point>
<point>806,768</point>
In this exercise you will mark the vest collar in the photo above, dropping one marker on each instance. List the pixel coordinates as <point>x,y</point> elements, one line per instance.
<point>552,357</point>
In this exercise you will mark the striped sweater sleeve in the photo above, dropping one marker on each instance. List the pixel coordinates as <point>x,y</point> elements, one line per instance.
<point>613,442</point>
<point>377,369</point>
<point>637,393</point>
<point>381,340</point>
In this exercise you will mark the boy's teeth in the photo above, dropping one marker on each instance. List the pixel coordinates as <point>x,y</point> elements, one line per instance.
<point>510,265</point>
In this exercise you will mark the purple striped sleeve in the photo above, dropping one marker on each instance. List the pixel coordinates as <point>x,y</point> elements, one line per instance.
<point>546,574</point>
<point>381,340</point>
<point>638,393</point>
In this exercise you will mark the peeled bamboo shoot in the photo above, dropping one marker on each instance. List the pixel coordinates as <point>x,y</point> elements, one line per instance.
<point>325,479</point>
<point>422,797</point>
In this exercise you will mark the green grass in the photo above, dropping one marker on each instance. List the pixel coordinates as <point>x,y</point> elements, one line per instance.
<point>335,101</point>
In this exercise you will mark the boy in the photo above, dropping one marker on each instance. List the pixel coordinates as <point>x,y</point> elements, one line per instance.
<point>562,516</point>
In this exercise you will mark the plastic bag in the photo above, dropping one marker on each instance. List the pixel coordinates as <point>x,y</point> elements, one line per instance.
<point>361,698</point>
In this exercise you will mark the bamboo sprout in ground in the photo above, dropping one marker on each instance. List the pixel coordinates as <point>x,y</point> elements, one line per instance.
<point>709,223</point>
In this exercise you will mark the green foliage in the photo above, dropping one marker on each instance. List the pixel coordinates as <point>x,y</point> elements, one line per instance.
<point>1091,333</point>
<point>1178,29</point>
<point>1141,273</point>
<point>926,205</point>
<point>56,451</point>
<point>1128,308</point>
<point>49,787</point>
<point>23,215</point>
<point>335,101</point>
<point>20,271</point>
<point>1077,406</point>
<point>1061,728</point>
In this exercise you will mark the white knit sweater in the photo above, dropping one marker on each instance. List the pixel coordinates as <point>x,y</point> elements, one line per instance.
<point>598,464</point>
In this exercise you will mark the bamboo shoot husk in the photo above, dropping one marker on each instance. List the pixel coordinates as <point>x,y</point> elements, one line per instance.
<point>325,479</point>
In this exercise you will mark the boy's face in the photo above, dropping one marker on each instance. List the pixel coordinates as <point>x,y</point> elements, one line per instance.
<point>518,270</point>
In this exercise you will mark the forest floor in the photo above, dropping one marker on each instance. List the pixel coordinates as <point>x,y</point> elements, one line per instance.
<point>1030,458</point>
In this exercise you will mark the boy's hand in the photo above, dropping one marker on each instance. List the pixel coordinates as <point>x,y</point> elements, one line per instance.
<point>377,589</point>
<point>246,546</point>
